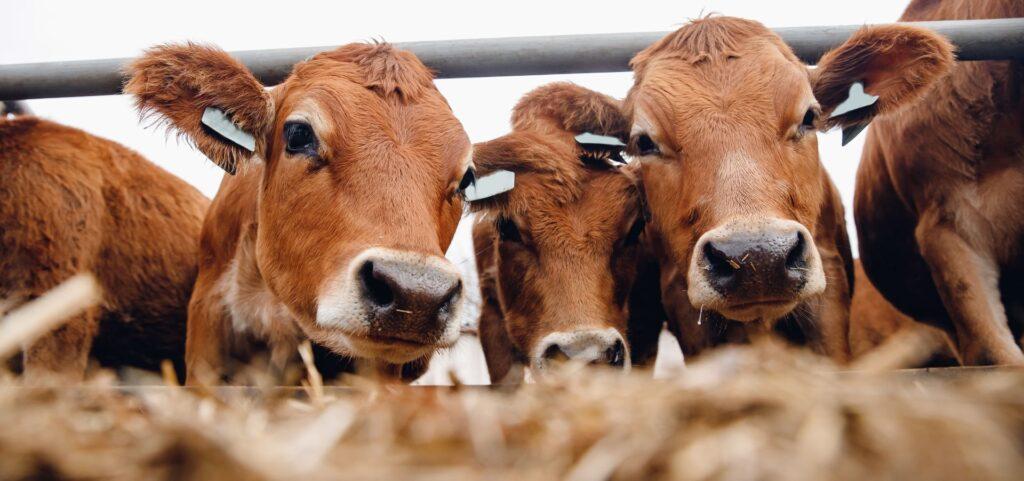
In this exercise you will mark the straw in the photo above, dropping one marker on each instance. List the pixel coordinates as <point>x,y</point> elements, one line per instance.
<point>34,319</point>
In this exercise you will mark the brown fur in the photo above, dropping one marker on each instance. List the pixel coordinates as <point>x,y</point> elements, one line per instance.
<point>722,94</point>
<point>938,196</point>
<point>898,63</point>
<point>570,269</point>
<point>176,83</point>
<point>391,157</point>
<point>874,321</point>
<point>563,107</point>
<point>71,202</point>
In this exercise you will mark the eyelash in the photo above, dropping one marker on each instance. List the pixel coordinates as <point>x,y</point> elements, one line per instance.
<point>808,122</point>
<point>467,179</point>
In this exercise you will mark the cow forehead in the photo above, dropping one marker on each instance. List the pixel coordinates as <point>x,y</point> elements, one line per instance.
<point>341,94</point>
<point>713,40</point>
<point>374,82</point>
<point>606,199</point>
<point>676,96</point>
<point>347,115</point>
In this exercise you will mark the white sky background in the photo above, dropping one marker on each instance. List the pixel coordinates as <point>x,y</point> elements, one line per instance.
<point>38,31</point>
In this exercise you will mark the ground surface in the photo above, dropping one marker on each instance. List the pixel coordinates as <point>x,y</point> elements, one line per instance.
<point>756,412</point>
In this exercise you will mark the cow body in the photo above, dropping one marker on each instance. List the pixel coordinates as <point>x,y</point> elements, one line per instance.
<point>875,322</point>
<point>71,202</point>
<point>334,228</point>
<point>558,254</point>
<point>747,227</point>
<point>938,199</point>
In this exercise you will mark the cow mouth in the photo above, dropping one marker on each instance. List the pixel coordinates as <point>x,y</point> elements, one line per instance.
<point>387,342</point>
<point>764,309</point>
<point>395,341</point>
<point>392,349</point>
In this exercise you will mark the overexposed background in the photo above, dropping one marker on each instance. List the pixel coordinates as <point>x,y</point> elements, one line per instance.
<point>36,31</point>
<point>39,31</point>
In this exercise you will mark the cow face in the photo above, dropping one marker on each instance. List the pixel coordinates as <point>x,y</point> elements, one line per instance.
<point>358,159</point>
<point>724,120</point>
<point>568,233</point>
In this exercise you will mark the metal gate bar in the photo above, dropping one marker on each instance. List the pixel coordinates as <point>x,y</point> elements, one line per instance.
<point>998,39</point>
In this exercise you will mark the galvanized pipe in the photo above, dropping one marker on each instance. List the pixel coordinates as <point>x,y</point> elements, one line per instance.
<point>14,107</point>
<point>998,39</point>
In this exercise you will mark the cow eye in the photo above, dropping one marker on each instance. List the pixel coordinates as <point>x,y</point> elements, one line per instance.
<point>644,145</point>
<point>300,139</point>
<point>508,231</point>
<point>633,237</point>
<point>809,121</point>
<point>467,179</point>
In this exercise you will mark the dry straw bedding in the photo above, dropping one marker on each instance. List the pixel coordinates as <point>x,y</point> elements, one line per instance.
<point>744,413</point>
<point>760,412</point>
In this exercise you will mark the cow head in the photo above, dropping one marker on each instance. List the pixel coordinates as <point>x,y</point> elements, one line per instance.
<point>568,233</point>
<point>358,159</point>
<point>723,120</point>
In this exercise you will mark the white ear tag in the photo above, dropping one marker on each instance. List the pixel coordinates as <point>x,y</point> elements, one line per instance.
<point>219,122</point>
<point>490,185</point>
<point>588,138</point>
<point>601,147</point>
<point>857,99</point>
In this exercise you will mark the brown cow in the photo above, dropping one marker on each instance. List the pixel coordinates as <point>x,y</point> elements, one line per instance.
<point>557,255</point>
<point>335,227</point>
<point>938,199</point>
<point>874,321</point>
<point>746,224</point>
<point>71,202</point>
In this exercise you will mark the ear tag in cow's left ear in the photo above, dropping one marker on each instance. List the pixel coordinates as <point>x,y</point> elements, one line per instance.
<point>602,146</point>
<point>490,185</point>
<point>219,122</point>
<point>857,99</point>
<point>587,138</point>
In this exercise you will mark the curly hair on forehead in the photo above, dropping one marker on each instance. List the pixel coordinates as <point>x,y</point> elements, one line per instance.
<point>387,70</point>
<point>711,38</point>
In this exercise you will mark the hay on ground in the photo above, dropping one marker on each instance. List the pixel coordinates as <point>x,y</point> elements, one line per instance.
<point>752,413</point>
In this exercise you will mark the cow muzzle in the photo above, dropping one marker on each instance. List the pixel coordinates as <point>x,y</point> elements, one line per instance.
<point>394,305</point>
<point>751,270</point>
<point>604,347</point>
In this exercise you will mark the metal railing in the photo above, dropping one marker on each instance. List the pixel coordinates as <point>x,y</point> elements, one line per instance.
<point>997,39</point>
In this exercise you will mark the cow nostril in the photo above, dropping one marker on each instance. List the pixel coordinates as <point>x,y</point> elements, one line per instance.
<point>796,259</point>
<point>718,262</point>
<point>616,355</point>
<point>554,352</point>
<point>448,300</point>
<point>377,287</point>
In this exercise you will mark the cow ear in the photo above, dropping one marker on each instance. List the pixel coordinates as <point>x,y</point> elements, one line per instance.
<point>878,70</point>
<point>565,106</point>
<point>205,95</point>
<point>522,166</point>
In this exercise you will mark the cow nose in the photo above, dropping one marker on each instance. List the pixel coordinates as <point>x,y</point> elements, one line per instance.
<point>757,264</point>
<point>408,300</point>
<point>596,347</point>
